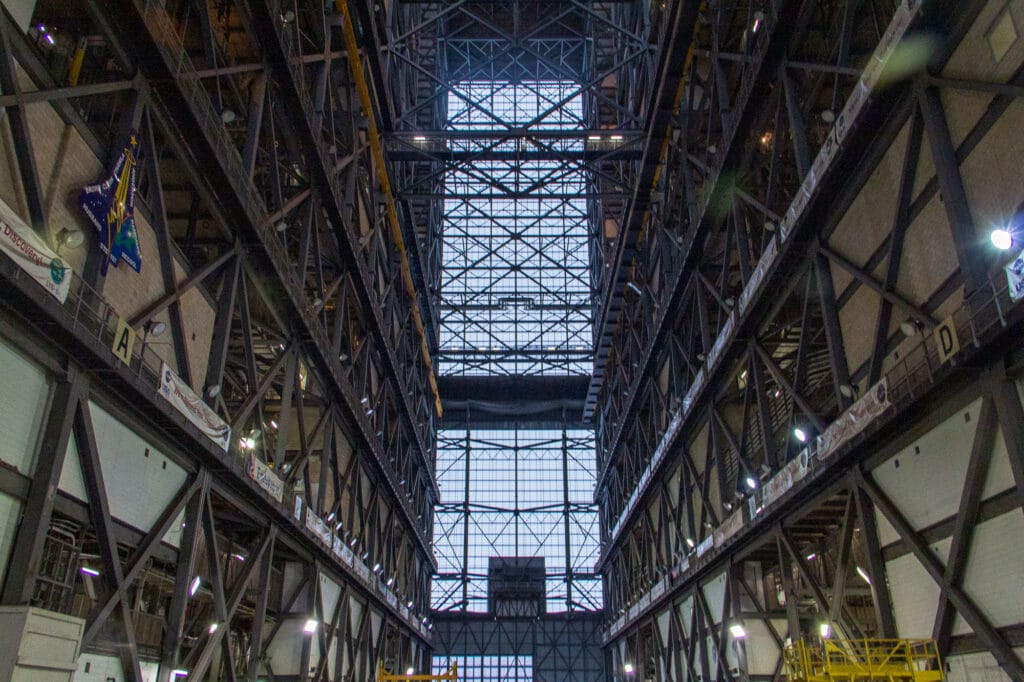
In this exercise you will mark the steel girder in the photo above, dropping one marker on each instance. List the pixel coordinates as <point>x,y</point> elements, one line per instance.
<point>710,374</point>
<point>269,216</point>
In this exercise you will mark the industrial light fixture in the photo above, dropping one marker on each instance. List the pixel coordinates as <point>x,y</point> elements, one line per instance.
<point>194,587</point>
<point>288,17</point>
<point>751,482</point>
<point>89,571</point>
<point>70,238</point>
<point>376,567</point>
<point>310,626</point>
<point>712,149</point>
<point>179,673</point>
<point>318,304</point>
<point>908,327</point>
<point>828,116</point>
<point>737,631</point>
<point>634,288</point>
<point>391,581</point>
<point>281,226</point>
<point>228,115</point>
<point>800,434</point>
<point>846,390</point>
<point>628,668</point>
<point>769,226</point>
<point>1001,238</point>
<point>238,557</point>
<point>155,328</point>
<point>409,603</point>
<point>213,391</point>
<point>825,630</point>
<point>864,575</point>
<point>409,671</point>
<point>420,138</point>
<point>812,556</point>
<point>593,138</point>
<point>758,20</point>
<point>213,628</point>
<point>689,543</point>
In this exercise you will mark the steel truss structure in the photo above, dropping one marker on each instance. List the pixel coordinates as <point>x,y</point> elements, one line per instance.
<point>773,316</point>
<point>278,283</point>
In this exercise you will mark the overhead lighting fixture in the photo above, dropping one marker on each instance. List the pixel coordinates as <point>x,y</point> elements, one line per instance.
<point>846,390</point>
<point>825,630</point>
<point>238,557</point>
<point>155,328</point>
<point>376,567</point>
<point>228,115</point>
<point>179,673</point>
<point>310,626</point>
<point>828,116</point>
<point>288,17</point>
<point>420,138</point>
<point>593,138</point>
<point>194,587</point>
<point>281,226</point>
<point>737,631</point>
<point>1001,239</point>
<point>391,581</point>
<point>751,482</point>
<point>800,434</point>
<point>213,628</point>
<point>616,137</point>
<point>690,543</point>
<point>864,575</point>
<point>409,671</point>
<point>758,20</point>
<point>812,556</point>
<point>634,288</point>
<point>213,391</point>
<point>318,304</point>
<point>409,603</point>
<point>908,327</point>
<point>89,571</point>
<point>628,668</point>
<point>769,226</point>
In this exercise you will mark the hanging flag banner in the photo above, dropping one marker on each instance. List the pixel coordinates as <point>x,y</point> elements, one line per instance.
<point>1015,277</point>
<point>180,395</point>
<point>854,420</point>
<point>265,478</point>
<point>110,207</point>
<point>27,249</point>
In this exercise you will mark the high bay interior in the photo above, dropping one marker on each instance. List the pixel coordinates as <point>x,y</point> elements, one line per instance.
<point>557,340</point>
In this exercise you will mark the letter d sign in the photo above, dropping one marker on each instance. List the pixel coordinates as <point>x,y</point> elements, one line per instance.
<point>947,340</point>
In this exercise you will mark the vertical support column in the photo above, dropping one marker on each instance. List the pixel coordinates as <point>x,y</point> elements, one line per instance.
<point>565,519</point>
<point>35,519</point>
<point>796,123</point>
<point>833,331</point>
<point>876,564</point>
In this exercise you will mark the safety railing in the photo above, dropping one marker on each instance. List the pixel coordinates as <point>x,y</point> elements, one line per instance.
<point>863,660</point>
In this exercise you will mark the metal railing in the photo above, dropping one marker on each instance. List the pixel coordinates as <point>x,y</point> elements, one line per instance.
<point>853,660</point>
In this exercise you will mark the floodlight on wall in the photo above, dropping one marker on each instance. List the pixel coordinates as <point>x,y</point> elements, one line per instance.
<point>828,116</point>
<point>213,391</point>
<point>908,327</point>
<point>690,543</point>
<point>738,631</point>
<point>318,304</point>
<point>70,238</point>
<point>751,482</point>
<point>213,628</point>
<point>179,673</point>
<point>825,630</point>
<point>846,390</point>
<point>310,626</point>
<point>758,20</point>
<point>155,328</point>
<point>800,434</point>
<point>281,226</point>
<point>634,288</point>
<point>409,671</point>
<point>228,115</point>
<point>628,668</point>
<point>1001,238</point>
<point>812,556</point>
<point>288,17</point>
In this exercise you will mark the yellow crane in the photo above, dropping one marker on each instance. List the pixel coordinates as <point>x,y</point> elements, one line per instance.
<point>863,660</point>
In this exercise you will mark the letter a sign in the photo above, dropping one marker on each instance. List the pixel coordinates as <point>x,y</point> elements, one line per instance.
<point>947,340</point>
<point>124,340</point>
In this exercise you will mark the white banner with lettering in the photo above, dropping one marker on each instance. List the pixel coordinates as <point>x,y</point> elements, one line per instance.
<point>265,478</point>
<point>33,255</point>
<point>181,396</point>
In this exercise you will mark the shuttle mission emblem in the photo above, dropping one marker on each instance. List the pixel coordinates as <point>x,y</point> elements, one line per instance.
<point>57,270</point>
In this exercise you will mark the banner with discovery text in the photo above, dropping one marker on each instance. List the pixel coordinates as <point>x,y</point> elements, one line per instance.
<point>32,254</point>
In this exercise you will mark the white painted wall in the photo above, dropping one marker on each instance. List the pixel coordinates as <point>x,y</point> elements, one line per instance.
<point>24,396</point>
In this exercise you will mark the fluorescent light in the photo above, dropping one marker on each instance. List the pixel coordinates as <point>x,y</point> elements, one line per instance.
<point>420,138</point>
<point>737,631</point>
<point>213,628</point>
<point>637,290</point>
<point>628,668</point>
<point>391,581</point>
<point>751,482</point>
<point>238,557</point>
<point>800,434</point>
<point>310,626</point>
<point>89,571</point>
<point>179,673</point>
<point>616,137</point>
<point>864,575</point>
<point>1001,239</point>
<point>376,567</point>
<point>49,39</point>
<point>593,137</point>
<point>194,587</point>
<point>825,630</point>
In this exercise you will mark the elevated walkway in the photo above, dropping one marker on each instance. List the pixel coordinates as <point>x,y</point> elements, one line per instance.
<point>864,660</point>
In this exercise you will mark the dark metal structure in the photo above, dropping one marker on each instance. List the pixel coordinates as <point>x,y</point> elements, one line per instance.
<point>425,260</point>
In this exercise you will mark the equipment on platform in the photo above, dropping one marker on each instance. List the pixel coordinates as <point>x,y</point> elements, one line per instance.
<point>863,660</point>
<point>451,675</point>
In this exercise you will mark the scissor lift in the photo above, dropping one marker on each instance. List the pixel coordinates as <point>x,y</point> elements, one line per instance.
<point>451,675</point>
<point>864,660</point>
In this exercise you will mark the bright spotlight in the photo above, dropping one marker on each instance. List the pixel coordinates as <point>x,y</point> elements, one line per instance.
<point>800,434</point>
<point>737,631</point>
<point>1001,239</point>
<point>751,482</point>
<point>310,626</point>
<point>628,668</point>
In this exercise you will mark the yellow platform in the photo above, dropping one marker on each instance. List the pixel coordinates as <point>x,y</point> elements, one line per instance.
<point>864,660</point>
